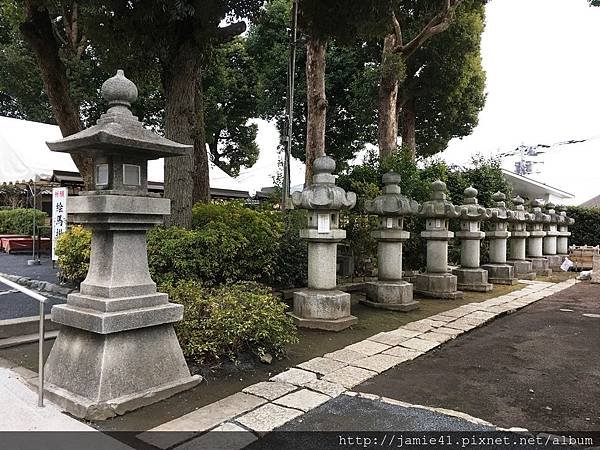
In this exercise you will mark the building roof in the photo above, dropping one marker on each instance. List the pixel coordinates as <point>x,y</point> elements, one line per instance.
<point>592,202</point>
<point>529,188</point>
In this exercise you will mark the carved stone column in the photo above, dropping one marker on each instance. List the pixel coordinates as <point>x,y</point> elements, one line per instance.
<point>498,271</point>
<point>518,236</point>
<point>471,277</point>
<point>562,241</point>
<point>390,291</point>
<point>322,306</point>
<point>437,282</point>
<point>534,243</point>
<point>549,244</point>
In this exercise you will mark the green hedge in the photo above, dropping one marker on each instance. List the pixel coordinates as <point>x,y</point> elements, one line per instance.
<point>586,229</point>
<point>231,243</point>
<point>20,220</point>
<point>230,320</point>
<point>365,180</point>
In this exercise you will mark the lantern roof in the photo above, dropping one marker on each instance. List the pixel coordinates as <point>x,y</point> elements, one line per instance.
<point>392,202</point>
<point>118,131</point>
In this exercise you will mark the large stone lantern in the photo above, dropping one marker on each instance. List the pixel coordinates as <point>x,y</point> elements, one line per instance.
<point>549,242</point>
<point>562,241</point>
<point>518,235</point>
<point>390,291</point>
<point>322,306</point>
<point>117,349</point>
<point>539,263</point>
<point>437,282</point>
<point>471,277</point>
<point>498,271</point>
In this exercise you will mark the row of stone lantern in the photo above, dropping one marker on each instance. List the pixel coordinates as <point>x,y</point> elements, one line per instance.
<point>322,306</point>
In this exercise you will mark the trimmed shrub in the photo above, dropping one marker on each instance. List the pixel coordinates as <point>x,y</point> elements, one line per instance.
<point>20,220</point>
<point>73,249</point>
<point>291,262</point>
<point>586,229</point>
<point>230,320</point>
<point>257,236</point>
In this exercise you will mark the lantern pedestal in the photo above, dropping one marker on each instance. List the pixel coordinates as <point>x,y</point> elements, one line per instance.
<point>327,310</point>
<point>522,269</point>
<point>540,266</point>
<point>117,350</point>
<point>392,295</point>
<point>438,285</point>
<point>472,280</point>
<point>500,273</point>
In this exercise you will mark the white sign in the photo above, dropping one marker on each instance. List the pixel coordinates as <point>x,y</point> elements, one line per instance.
<point>59,216</point>
<point>323,223</point>
<point>389,222</point>
<point>473,226</point>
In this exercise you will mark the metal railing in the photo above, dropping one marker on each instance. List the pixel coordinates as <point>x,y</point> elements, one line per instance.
<point>42,301</point>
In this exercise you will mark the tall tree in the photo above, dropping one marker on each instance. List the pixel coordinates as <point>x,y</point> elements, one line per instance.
<point>443,90</point>
<point>230,101</point>
<point>411,24</point>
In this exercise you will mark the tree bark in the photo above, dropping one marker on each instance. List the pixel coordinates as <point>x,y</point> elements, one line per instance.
<point>316,102</point>
<point>388,95</point>
<point>409,142</point>
<point>201,189</point>
<point>179,79</point>
<point>37,32</point>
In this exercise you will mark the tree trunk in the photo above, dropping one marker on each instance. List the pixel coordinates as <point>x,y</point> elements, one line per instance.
<point>388,94</point>
<point>37,31</point>
<point>201,190</point>
<point>316,102</point>
<point>179,79</point>
<point>409,142</point>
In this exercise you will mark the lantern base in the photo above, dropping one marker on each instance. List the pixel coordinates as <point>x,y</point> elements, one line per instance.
<point>392,295</point>
<point>554,261</point>
<point>472,279</point>
<point>522,269</point>
<point>322,309</point>
<point>438,285</point>
<point>500,274</point>
<point>97,376</point>
<point>540,266</point>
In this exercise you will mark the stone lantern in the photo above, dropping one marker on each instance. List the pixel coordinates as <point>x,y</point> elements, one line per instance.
<point>549,242</point>
<point>539,264</point>
<point>390,291</point>
<point>498,271</point>
<point>321,306</point>
<point>117,349</point>
<point>518,235</point>
<point>562,241</point>
<point>470,276</point>
<point>437,282</point>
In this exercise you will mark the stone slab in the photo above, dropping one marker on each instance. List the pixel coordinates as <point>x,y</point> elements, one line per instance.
<point>388,338</point>
<point>324,324</point>
<point>378,363</point>
<point>304,400</point>
<point>368,347</point>
<point>322,366</point>
<point>419,344</point>
<point>344,355</point>
<point>268,417</point>
<point>349,376</point>
<point>227,436</point>
<point>418,326</point>
<point>294,376</point>
<point>270,390</point>
<point>201,420</point>
<point>326,387</point>
<point>406,354</point>
<point>434,336</point>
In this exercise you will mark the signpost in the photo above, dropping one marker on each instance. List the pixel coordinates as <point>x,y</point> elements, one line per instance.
<point>59,216</point>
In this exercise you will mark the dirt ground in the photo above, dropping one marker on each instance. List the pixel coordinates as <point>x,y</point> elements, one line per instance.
<point>538,368</point>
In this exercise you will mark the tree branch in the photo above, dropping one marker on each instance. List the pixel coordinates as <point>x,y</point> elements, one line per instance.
<point>439,23</point>
<point>397,29</point>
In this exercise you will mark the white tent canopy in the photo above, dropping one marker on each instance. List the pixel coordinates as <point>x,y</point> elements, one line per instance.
<point>25,157</point>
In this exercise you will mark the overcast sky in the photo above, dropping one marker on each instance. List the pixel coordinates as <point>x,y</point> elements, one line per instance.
<point>543,86</point>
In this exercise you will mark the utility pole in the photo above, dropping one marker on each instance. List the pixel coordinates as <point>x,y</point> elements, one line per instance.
<point>285,192</point>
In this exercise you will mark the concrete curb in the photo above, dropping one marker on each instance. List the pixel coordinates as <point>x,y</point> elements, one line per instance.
<point>296,391</point>
<point>39,285</point>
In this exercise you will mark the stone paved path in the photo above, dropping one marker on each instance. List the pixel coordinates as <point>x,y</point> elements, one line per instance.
<point>291,395</point>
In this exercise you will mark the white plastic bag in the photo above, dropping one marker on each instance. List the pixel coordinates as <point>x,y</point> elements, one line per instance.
<point>566,265</point>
